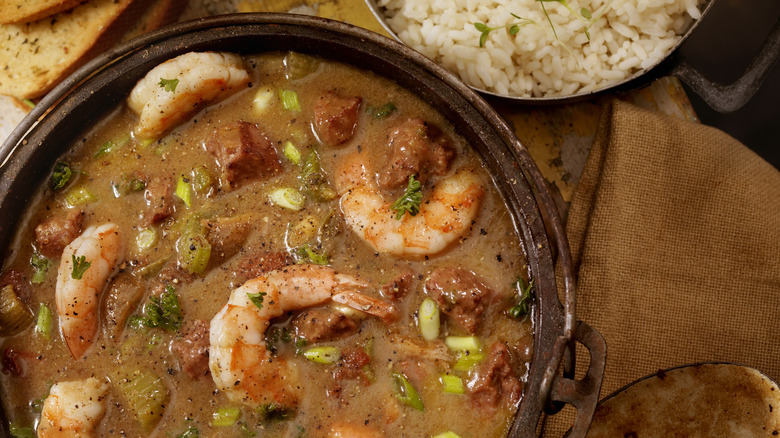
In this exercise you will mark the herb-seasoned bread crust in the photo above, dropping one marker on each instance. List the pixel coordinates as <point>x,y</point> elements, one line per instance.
<point>25,11</point>
<point>35,56</point>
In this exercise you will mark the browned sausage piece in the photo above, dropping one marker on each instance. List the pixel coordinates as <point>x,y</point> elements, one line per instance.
<point>323,324</point>
<point>258,263</point>
<point>397,288</point>
<point>352,363</point>
<point>494,381</point>
<point>243,152</point>
<point>121,300</point>
<point>53,235</point>
<point>159,199</point>
<point>192,349</point>
<point>335,118</point>
<point>418,149</point>
<point>227,234</point>
<point>460,294</point>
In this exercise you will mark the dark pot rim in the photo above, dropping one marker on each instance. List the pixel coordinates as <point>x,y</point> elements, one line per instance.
<point>29,154</point>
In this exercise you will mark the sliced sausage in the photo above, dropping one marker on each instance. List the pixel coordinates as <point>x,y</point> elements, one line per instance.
<point>323,324</point>
<point>352,364</point>
<point>121,300</point>
<point>244,153</point>
<point>159,198</point>
<point>415,148</point>
<point>258,263</point>
<point>398,288</point>
<point>192,349</point>
<point>335,118</point>
<point>494,381</point>
<point>53,235</point>
<point>227,234</point>
<point>460,294</point>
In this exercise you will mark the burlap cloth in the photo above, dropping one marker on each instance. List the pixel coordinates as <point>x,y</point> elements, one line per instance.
<point>675,235</point>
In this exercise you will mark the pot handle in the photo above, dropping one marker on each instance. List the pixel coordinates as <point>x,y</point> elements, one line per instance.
<point>731,97</point>
<point>564,388</point>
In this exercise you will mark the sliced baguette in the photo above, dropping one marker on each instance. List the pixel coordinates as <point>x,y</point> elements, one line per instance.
<point>25,11</point>
<point>12,111</point>
<point>35,56</point>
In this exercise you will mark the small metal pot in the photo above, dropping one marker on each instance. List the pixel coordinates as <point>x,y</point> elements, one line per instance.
<point>28,156</point>
<point>722,98</point>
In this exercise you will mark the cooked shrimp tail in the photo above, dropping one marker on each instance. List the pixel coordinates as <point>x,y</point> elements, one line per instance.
<point>73,409</point>
<point>240,362</point>
<point>96,253</point>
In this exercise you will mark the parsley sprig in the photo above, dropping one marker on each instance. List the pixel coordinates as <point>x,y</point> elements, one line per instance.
<point>80,266</point>
<point>169,84</point>
<point>163,312</point>
<point>256,299</point>
<point>61,175</point>
<point>410,200</point>
<point>524,306</point>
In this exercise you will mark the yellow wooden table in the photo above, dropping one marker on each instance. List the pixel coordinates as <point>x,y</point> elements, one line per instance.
<point>557,136</point>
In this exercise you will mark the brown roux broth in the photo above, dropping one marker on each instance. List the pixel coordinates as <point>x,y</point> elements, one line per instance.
<point>491,249</point>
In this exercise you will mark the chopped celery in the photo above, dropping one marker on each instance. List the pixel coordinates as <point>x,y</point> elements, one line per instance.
<point>44,322</point>
<point>225,417</point>
<point>463,343</point>
<point>288,197</point>
<point>20,431</point>
<point>289,100</point>
<point>262,100</point>
<point>146,239</point>
<point>14,314</point>
<point>79,196</point>
<point>307,255</point>
<point>291,152</point>
<point>452,384</point>
<point>147,396</point>
<point>405,392</point>
<point>326,354</point>
<point>41,266</point>
<point>192,247</point>
<point>184,191</point>
<point>447,434</point>
<point>465,360</point>
<point>428,319</point>
<point>201,179</point>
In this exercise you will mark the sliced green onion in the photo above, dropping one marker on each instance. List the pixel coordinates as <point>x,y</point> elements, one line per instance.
<point>291,152</point>
<point>14,314</point>
<point>326,355</point>
<point>184,191</point>
<point>463,343</point>
<point>288,197</point>
<point>44,322</point>
<point>20,431</point>
<point>289,100</point>
<point>146,239</point>
<point>447,434</point>
<point>225,417</point>
<point>428,319</point>
<point>405,392</point>
<point>452,384</point>
<point>41,266</point>
<point>201,179</point>
<point>465,360</point>
<point>79,196</point>
<point>262,100</point>
<point>147,396</point>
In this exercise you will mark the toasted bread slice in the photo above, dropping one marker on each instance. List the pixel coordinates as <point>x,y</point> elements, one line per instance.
<point>35,56</point>
<point>25,11</point>
<point>158,13</point>
<point>12,111</point>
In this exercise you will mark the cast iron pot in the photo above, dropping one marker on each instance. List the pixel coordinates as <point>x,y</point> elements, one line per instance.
<point>721,98</point>
<point>29,154</point>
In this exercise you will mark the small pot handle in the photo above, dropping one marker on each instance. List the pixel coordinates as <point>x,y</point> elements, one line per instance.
<point>731,97</point>
<point>582,394</point>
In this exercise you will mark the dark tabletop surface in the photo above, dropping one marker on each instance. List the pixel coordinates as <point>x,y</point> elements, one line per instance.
<point>722,47</point>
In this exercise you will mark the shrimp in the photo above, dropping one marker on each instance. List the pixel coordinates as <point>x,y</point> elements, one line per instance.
<point>348,430</point>
<point>240,362</point>
<point>175,89</point>
<point>77,299</point>
<point>73,409</point>
<point>443,218</point>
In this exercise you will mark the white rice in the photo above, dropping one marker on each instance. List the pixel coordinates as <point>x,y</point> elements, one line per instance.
<point>628,36</point>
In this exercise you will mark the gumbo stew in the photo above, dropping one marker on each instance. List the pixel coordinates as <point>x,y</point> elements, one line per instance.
<point>272,245</point>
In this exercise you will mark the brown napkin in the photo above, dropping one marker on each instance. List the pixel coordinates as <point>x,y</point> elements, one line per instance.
<point>675,235</point>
